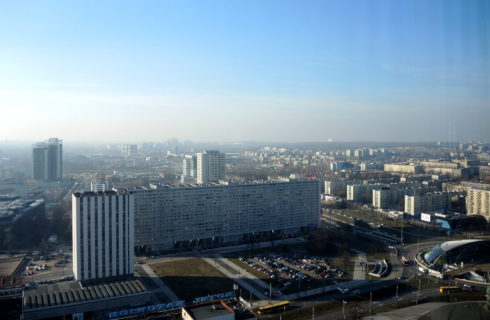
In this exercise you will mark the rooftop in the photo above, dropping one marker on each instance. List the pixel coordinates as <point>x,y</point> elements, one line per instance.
<point>73,292</point>
<point>209,311</point>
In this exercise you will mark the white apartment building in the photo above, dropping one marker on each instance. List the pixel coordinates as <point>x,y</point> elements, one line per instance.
<point>189,166</point>
<point>102,234</point>
<point>210,166</point>
<point>169,218</point>
<point>337,186</point>
<point>478,202</point>
<point>403,168</point>
<point>390,195</point>
<point>361,192</point>
<point>429,202</point>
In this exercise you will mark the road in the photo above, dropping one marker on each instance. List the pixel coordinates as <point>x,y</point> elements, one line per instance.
<point>339,314</point>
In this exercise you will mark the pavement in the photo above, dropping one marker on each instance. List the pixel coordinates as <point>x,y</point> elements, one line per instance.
<point>360,267</point>
<point>239,278</point>
<point>161,286</point>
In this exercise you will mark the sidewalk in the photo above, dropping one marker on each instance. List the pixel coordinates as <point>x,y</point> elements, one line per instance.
<point>235,277</point>
<point>360,267</point>
<point>171,296</point>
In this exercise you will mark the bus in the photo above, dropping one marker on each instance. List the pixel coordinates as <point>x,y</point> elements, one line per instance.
<point>274,307</point>
<point>449,289</point>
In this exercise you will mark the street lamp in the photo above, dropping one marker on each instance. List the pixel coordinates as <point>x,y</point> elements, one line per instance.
<point>343,307</point>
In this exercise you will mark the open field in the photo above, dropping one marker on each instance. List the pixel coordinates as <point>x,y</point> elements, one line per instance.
<point>192,277</point>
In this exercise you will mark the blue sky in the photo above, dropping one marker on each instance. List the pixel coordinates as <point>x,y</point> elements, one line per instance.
<point>245,70</point>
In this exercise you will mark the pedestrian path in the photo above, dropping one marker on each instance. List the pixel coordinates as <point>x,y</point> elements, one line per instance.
<point>171,296</point>
<point>360,266</point>
<point>240,279</point>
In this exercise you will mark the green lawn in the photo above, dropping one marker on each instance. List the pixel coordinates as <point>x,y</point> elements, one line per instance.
<point>191,278</point>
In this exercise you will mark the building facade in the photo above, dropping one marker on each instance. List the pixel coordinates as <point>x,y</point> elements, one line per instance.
<point>478,202</point>
<point>189,169</point>
<point>47,160</point>
<point>102,235</point>
<point>361,192</point>
<point>392,195</point>
<point>338,186</point>
<point>210,166</point>
<point>403,168</point>
<point>429,202</point>
<point>169,218</point>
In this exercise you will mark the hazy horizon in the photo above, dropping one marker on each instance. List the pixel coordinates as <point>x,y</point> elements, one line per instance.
<point>215,71</point>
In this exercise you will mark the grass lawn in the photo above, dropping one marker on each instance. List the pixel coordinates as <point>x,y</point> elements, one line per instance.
<point>191,278</point>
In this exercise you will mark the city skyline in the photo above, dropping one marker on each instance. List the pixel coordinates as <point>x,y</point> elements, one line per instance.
<point>254,71</point>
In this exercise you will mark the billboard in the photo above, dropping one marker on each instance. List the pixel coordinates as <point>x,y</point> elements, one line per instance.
<point>425,217</point>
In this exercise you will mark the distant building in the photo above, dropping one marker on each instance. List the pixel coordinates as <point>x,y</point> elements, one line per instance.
<point>361,192</point>
<point>15,208</point>
<point>478,202</point>
<point>403,168</point>
<point>340,165</point>
<point>40,161</point>
<point>337,186</point>
<point>97,186</point>
<point>210,166</point>
<point>189,169</point>
<point>389,196</point>
<point>366,166</point>
<point>429,202</point>
<point>47,160</point>
<point>103,235</point>
<point>129,150</point>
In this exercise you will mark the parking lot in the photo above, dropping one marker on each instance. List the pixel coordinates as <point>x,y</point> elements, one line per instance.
<point>291,273</point>
<point>49,268</point>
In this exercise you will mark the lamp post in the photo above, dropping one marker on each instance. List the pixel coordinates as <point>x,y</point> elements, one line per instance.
<point>343,307</point>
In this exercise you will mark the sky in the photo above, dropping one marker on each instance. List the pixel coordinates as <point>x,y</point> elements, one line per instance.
<point>131,71</point>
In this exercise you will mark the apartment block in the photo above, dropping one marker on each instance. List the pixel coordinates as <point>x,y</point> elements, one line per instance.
<point>478,202</point>
<point>429,202</point>
<point>210,166</point>
<point>337,186</point>
<point>169,218</point>
<point>403,168</point>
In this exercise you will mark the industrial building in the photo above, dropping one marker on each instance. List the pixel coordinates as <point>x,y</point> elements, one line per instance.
<point>72,300</point>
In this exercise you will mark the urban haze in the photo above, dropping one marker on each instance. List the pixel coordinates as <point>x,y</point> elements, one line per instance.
<point>282,160</point>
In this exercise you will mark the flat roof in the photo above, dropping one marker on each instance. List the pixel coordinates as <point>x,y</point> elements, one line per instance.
<point>72,291</point>
<point>208,311</point>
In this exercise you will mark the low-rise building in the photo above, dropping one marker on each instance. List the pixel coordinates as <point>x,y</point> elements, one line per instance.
<point>77,301</point>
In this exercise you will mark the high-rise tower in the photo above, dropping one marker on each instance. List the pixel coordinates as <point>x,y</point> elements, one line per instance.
<point>47,160</point>
<point>103,234</point>
<point>210,166</point>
